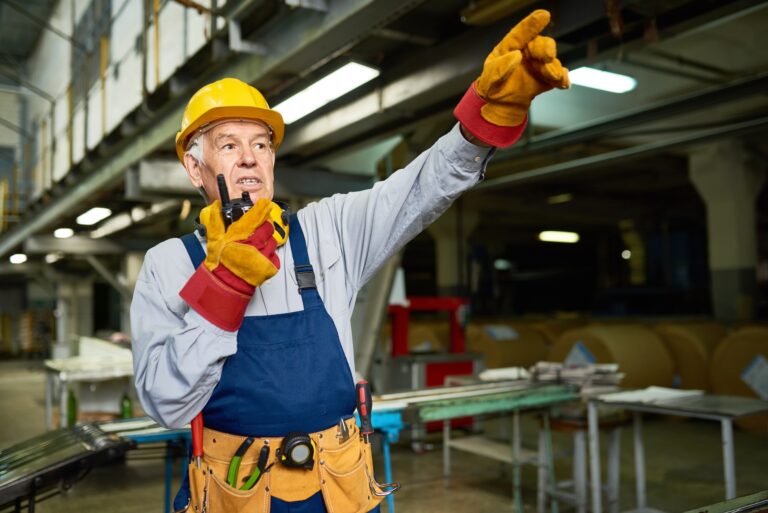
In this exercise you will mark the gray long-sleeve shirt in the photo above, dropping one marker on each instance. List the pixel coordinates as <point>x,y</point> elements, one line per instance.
<point>178,355</point>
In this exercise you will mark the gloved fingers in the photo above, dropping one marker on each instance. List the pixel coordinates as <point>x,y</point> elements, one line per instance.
<point>246,225</point>
<point>542,48</point>
<point>261,235</point>
<point>211,218</point>
<point>522,33</point>
<point>554,74</point>
<point>496,71</point>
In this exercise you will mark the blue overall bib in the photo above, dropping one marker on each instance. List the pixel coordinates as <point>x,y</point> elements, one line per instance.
<point>289,373</point>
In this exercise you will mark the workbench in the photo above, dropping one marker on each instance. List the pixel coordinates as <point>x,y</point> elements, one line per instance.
<point>446,403</point>
<point>723,409</point>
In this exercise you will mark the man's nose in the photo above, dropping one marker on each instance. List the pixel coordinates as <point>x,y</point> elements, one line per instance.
<point>247,158</point>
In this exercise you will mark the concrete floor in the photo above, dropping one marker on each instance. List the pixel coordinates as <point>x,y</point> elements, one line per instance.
<point>683,461</point>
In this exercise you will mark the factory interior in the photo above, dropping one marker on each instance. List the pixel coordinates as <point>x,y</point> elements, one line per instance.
<point>583,326</point>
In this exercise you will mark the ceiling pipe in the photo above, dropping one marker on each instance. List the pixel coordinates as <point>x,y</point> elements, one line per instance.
<point>614,157</point>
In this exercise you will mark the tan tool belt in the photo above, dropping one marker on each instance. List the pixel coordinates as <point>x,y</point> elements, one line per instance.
<point>342,470</point>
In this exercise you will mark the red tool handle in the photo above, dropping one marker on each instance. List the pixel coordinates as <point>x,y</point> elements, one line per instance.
<point>197,437</point>
<point>364,404</point>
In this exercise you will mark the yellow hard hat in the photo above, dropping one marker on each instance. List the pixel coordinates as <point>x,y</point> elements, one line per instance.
<point>228,98</point>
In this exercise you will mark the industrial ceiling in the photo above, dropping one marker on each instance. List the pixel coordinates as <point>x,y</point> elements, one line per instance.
<point>701,67</point>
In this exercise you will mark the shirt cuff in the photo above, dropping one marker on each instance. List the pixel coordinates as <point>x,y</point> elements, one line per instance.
<point>466,155</point>
<point>227,338</point>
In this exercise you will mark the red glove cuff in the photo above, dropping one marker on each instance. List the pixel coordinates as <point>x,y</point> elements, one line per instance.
<point>468,113</point>
<point>217,302</point>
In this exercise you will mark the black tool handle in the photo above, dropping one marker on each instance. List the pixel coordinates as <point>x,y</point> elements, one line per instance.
<point>364,404</point>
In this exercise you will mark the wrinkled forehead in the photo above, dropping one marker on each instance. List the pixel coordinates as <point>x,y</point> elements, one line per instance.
<point>239,128</point>
<point>246,128</point>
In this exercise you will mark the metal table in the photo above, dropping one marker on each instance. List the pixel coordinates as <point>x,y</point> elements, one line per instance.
<point>723,409</point>
<point>77,369</point>
<point>445,403</point>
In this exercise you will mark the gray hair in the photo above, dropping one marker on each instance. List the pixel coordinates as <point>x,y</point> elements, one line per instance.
<point>195,150</point>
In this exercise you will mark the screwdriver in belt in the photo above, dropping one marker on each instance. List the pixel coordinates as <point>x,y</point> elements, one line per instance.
<point>364,403</point>
<point>197,438</point>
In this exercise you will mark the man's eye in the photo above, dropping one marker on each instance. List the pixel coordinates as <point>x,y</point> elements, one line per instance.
<point>259,146</point>
<point>228,146</point>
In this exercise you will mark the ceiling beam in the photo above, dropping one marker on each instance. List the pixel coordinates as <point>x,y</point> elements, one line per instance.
<point>685,104</point>
<point>302,40</point>
<point>614,157</point>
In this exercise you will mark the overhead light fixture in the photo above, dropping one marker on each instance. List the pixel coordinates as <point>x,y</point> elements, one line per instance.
<point>502,264</point>
<point>325,90</point>
<point>555,236</point>
<point>93,216</point>
<point>560,198</point>
<point>52,258</point>
<point>63,233</point>
<point>18,258</point>
<point>626,254</point>
<point>602,80</point>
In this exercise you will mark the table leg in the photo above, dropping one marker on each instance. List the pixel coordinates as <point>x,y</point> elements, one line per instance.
<point>49,391</point>
<point>168,474</point>
<point>517,493</point>
<point>614,451</point>
<point>542,486</point>
<point>446,448</point>
<point>729,461</point>
<point>388,471</point>
<point>63,411</point>
<point>579,471</point>
<point>639,459</point>
<point>594,457</point>
<point>554,506</point>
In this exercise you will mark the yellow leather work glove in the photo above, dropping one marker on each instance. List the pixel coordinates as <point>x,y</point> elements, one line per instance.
<point>239,259</point>
<point>523,65</point>
<point>245,249</point>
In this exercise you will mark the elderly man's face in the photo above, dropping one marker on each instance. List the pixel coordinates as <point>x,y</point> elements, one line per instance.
<point>239,150</point>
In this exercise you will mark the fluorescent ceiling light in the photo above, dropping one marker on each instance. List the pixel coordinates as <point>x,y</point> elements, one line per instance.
<point>18,258</point>
<point>603,80</point>
<point>502,264</point>
<point>560,198</point>
<point>52,258</point>
<point>555,236</point>
<point>63,233</point>
<point>626,254</point>
<point>325,90</point>
<point>93,216</point>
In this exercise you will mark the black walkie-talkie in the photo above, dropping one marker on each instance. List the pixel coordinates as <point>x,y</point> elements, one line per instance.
<point>232,210</point>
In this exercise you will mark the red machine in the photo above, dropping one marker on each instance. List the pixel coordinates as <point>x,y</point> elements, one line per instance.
<point>416,370</point>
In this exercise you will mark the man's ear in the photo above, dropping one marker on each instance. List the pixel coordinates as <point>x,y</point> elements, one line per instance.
<point>194,171</point>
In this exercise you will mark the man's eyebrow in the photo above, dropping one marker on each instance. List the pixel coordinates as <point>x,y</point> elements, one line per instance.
<point>223,136</point>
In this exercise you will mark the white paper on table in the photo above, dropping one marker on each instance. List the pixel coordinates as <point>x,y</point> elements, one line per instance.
<point>504,373</point>
<point>756,376</point>
<point>649,395</point>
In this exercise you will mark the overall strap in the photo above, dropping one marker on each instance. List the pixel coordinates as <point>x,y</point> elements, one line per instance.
<point>305,275</point>
<point>194,249</point>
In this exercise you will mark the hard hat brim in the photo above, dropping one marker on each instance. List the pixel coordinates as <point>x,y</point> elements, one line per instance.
<point>216,114</point>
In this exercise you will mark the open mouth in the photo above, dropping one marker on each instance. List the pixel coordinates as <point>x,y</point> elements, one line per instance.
<point>249,181</point>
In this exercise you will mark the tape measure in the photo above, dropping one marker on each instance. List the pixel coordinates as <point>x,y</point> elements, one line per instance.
<point>297,451</point>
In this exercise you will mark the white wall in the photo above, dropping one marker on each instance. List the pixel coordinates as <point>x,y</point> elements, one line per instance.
<point>9,110</point>
<point>181,32</point>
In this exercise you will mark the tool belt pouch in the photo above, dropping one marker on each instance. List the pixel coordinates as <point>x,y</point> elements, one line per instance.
<point>346,477</point>
<point>210,492</point>
<point>342,470</point>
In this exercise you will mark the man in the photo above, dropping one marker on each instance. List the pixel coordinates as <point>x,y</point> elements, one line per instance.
<point>254,331</point>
